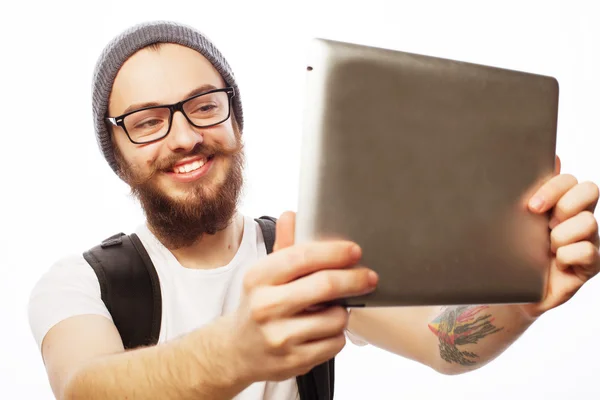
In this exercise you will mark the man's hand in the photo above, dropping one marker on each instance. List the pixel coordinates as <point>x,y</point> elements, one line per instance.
<point>277,332</point>
<point>573,237</point>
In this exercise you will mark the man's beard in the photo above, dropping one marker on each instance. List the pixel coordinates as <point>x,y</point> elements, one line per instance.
<point>179,223</point>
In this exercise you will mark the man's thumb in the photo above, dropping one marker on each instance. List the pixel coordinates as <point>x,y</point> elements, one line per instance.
<point>284,232</point>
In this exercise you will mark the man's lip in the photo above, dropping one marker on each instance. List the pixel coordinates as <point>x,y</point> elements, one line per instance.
<point>189,160</point>
<point>192,175</point>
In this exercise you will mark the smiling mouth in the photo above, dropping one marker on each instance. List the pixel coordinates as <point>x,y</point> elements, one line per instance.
<point>192,165</point>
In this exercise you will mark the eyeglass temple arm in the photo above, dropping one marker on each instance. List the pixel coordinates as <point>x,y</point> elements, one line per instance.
<point>112,121</point>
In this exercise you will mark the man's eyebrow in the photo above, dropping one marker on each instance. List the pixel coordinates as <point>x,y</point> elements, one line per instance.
<point>198,90</point>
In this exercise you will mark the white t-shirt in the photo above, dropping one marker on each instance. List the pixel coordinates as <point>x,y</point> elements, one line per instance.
<point>191,298</point>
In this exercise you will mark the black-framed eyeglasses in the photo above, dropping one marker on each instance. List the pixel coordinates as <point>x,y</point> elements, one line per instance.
<point>153,123</point>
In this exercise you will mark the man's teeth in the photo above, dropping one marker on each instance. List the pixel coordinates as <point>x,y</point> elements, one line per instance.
<point>182,169</point>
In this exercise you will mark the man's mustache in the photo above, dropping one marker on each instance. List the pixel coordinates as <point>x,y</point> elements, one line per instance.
<point>167,164</point>
<point>199,150</point>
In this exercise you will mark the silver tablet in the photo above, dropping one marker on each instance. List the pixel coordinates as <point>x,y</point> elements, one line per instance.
<point>428,163</point>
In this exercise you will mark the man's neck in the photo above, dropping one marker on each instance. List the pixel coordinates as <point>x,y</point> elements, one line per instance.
<point>213,251</point>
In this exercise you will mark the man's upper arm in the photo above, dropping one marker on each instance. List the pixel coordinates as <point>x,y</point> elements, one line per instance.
<point>75,341</point>
<point>69,320</point>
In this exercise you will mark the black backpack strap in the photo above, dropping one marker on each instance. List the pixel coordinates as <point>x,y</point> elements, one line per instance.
<point>267,226</point>
<point>318,383</point>
<point>129,287</point>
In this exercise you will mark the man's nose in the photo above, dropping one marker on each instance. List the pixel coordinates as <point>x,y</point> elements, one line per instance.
<point>183,137</point>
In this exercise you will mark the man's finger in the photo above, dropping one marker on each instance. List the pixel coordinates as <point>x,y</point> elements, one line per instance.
<point>284,231</point>
<point>581,227</point>
<point>314,289</point>
<point>582,197</point>
<point>319,351</point>
<point>307,327</point>
<point>562,285</point>
<point>583,254</point>
<point>296,261</point>
<point>548,195</point>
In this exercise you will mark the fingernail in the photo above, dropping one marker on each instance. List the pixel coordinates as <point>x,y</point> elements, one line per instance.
<point>536,203</point>
<point>373,278</point>
<point>355,252</point>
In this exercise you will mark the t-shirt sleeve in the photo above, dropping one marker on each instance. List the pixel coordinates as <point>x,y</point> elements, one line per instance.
<point>69,288</point>
<point>354,338</point>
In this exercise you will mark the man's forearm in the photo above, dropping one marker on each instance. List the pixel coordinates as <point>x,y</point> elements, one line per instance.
<point>187,368</point>
<point>470,336</point>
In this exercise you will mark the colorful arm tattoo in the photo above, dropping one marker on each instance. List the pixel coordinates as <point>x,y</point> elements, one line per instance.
<point>461,325</point>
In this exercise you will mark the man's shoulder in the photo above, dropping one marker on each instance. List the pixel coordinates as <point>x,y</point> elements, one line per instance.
<point>68,270</point>
<point>66,263</point>
<point>69,287</point>
<point>62,271</point>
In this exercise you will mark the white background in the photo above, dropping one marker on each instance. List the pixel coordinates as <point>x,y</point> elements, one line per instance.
<point>59,196</point>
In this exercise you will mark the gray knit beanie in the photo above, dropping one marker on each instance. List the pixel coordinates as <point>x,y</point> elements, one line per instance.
<point>133,39</point>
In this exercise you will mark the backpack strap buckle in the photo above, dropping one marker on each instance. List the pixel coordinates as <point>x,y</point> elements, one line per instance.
<point>114,240</point>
